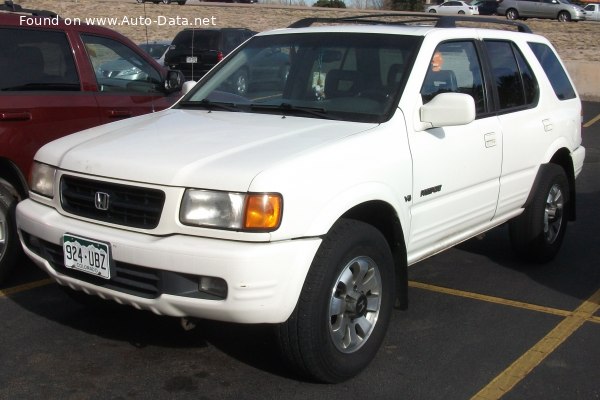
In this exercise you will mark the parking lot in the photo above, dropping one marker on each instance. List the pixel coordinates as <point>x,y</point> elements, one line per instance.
<point>479,325</point>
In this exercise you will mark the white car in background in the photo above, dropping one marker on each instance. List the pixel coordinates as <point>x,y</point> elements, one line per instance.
<point>453,7</point>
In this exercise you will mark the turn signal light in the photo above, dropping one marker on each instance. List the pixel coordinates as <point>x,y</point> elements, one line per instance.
<point>263,211</point>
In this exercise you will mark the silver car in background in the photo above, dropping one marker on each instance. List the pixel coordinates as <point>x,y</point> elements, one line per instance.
<point>562,10</point>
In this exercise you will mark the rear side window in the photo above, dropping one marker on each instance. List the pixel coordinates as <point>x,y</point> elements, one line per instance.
<point>36,60</point>
<point>514,80</point>
<point>554,70</point>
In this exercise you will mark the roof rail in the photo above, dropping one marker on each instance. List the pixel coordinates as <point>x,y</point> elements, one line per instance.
<point>441,21</point>
<point>9,5</point>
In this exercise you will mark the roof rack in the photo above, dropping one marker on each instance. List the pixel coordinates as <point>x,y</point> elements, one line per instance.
<point>9,5</point>
<point>441,21</point>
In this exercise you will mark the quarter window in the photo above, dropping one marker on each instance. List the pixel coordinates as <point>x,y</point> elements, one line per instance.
<point>556,74</point>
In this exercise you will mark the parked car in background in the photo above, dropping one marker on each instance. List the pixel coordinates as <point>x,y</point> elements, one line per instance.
<point>562,10</point>
<point>195,51</point>
<point>486,7</point>
<point>453,7</point>
<point>157,49</point>
<point>56,79</point>
<point>592,12</point>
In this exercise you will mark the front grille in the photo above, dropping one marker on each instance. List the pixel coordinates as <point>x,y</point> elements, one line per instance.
<point>126,205</point>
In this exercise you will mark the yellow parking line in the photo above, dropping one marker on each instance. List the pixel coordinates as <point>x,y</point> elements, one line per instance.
<point>511,376</point>
<point>27,286</point>
<point>490,299</point>
<point>592,121</point>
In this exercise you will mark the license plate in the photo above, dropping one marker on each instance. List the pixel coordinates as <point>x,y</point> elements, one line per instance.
<point>87,255</point>
<point>191,60</point>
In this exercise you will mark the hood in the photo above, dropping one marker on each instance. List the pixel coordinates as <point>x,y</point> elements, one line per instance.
<point>193,148</point>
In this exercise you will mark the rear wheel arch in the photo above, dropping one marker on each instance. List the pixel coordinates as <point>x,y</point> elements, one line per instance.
<point>563,159</point>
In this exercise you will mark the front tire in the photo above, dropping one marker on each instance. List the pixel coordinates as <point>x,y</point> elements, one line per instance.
<point>564,16</point>
<point>9,242</point>
<point>345,305</point>
<point>537,234</point>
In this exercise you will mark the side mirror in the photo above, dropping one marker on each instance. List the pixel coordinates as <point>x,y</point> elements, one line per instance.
<point>174,81</point>
<point>448,109</point>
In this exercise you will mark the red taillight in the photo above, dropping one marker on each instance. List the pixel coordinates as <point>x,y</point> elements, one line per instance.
<point>219,56</point>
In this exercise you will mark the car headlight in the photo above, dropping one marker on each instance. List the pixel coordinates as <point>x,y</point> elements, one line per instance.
<point>41,180</point>
<point>230,210</point>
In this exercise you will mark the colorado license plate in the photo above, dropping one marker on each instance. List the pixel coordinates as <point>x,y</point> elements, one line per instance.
<point>87,255</point>
<point>191,60</point>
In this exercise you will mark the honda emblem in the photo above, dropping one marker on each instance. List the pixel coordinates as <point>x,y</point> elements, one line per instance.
<point>101,201</point>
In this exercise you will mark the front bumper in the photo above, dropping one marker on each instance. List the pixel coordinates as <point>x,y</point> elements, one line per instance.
<point>264,280</point>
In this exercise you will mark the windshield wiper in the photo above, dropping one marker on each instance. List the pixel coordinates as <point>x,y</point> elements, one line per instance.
<point>288,108</point>
<point>209,105</point>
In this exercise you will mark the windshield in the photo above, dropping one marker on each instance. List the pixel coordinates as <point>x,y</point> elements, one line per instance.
<point>346,76</point>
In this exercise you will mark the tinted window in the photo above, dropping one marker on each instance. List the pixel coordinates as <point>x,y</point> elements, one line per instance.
<point>455,67</point>
<point>514,80</point>
<point>554,70</point>
<point>199,39</point>
<point>36,60</point>
<point>118,68</point>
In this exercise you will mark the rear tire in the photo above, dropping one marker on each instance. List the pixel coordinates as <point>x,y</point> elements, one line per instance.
<point>537,234</point>
<point>10,248</point>
<point>345,305</point>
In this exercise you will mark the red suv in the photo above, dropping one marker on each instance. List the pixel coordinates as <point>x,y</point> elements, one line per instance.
<point>56,79</point>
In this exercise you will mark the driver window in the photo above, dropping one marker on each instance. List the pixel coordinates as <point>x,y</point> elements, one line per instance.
<point>455,67</point>
<point>118,68</point>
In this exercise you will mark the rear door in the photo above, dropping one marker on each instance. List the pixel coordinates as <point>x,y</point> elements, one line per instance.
<point>127,83</point>
<point>41,95</point>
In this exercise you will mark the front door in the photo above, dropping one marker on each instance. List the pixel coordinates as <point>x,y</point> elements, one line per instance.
<point>456,169</point>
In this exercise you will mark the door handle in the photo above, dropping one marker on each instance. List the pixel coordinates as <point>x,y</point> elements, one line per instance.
<point>119,114</point>
<point>15,116</point>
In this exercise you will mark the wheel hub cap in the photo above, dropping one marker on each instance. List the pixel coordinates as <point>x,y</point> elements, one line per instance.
<point>355,304</point>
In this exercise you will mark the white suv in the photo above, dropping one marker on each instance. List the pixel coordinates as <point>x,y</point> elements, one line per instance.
<point>300,200</point>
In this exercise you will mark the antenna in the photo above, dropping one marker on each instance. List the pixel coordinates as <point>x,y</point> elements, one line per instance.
<point>148,45</point>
